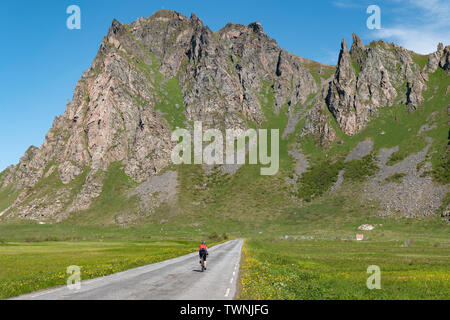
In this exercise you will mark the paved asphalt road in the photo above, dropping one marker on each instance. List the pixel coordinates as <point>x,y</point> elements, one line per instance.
<point>176,279</point>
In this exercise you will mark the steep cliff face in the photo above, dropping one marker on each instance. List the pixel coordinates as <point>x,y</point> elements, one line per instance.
<point>440,58</point>
<point>167,71</point>
<point>369,77</point>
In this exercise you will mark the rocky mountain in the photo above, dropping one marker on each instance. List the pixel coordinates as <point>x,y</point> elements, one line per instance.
<point>167,71</point>
<point>368,78</point>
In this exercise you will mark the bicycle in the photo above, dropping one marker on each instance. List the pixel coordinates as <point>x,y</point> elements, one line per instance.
<point>202,263</point>
<point>203,260</point>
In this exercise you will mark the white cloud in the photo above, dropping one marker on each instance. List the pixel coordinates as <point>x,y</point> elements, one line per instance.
<point>420,41</point>
<point>421,27</point>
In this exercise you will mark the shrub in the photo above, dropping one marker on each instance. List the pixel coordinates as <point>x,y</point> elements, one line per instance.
<point>213,236</point>
<point>359,170</point>
<point>318,180</point>
<point>397,178</point>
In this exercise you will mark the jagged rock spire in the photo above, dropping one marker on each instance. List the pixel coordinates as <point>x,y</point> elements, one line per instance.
<point>344,46</point>
<point>357,43</point>
<point>357,51</point>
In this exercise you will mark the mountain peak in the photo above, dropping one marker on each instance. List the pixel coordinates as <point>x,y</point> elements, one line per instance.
<point>344,46</point>
<point>357,42</point>
<point>196,19</point>
<point>256,27</point>
<point>166,13</point>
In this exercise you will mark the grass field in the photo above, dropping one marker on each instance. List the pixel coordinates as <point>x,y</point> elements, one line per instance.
<point>318,269</point>
<point>311,252</point>
<point>306,253</point>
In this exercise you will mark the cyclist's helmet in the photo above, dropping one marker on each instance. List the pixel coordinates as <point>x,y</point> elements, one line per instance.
<point>203,242</point>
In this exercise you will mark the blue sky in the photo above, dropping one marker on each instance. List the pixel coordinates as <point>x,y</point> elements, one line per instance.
<point>41,60</point>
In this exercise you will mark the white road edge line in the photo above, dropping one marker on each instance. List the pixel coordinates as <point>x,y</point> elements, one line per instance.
<point>227,293</point>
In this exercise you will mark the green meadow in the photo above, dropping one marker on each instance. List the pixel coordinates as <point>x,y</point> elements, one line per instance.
<point>336,269</point>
